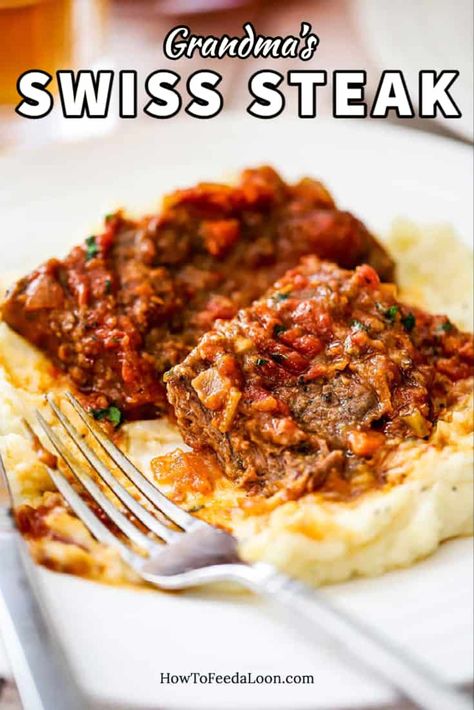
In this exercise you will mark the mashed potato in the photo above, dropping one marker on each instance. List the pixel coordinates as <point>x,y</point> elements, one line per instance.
<point>434,270</point>
<point>428,498</point>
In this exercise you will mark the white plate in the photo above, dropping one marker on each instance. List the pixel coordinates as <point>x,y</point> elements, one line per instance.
<point>426,34</point>
<point>121,640</point>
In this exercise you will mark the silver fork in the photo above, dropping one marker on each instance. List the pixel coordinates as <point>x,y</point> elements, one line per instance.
<point>191,553</point>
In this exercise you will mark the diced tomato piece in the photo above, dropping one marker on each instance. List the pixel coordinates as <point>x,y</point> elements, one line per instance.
<point>365,443</point>
<point>219,235</point>
<point>367,275</point>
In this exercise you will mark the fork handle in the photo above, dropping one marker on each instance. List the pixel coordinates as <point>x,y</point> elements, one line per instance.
<point>312,614</point>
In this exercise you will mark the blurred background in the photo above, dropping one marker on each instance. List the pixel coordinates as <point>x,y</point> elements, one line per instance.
<point>128,34</point>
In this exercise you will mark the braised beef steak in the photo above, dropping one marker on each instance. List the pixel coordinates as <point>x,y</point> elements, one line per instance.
<point>309,388</point>
<point>132,301</point>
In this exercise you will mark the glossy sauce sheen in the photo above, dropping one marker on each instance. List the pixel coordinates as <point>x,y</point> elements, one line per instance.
<point>132,301</point>
<point>311,387</point>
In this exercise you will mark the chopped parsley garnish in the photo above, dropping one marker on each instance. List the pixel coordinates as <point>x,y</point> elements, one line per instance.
<point>195,509</point>
<point>112,414</point>
<point>260,361</point>
<point>281,296</point>
<point>91,248</point>
<point>278,330</point>
<point>408,322</point>
<point>108,286</point>
<point>109,216</point>
<point>391,313</point>
<point>358,325</point>
<point>447,326</point>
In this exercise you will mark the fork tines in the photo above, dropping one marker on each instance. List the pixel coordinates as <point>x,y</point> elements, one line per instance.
<point>68,433</point>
